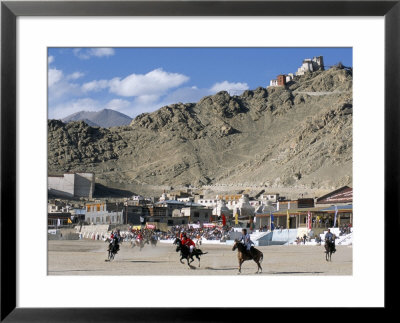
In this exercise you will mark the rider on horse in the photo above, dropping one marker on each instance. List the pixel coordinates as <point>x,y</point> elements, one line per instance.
<point>188,242</point>
<point>330,238</point>
<point>139,237</point>
<point>247,241</point>
<point>114,242</point>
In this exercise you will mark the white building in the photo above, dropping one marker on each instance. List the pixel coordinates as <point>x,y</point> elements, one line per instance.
<point>97,213</point>
<point>137,198</point>
<point>185,199</point>
<point>273,83</point>
<point>270,197</point>
<point>53,208</point>
<point>311,65</point>
<point>208,202</point>
<point>196,214</point>
<point>71,185</point>
<point>289,77</point>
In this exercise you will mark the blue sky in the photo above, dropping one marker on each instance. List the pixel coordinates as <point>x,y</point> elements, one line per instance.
<point>137,80</point>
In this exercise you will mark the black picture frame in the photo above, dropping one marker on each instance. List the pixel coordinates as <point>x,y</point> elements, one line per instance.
<point>10,10</point>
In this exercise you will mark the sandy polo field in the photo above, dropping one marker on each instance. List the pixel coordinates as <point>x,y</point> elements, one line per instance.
<point>88,257</point>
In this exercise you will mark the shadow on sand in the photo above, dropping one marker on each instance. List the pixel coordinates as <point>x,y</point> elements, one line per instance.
<point>146,261</point>
<point>229,268</point>
<point>295,272</point>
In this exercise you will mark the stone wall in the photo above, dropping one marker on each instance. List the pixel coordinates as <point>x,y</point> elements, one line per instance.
<point>72,185</point>
<point>84,185</point>
<point>61,185</point>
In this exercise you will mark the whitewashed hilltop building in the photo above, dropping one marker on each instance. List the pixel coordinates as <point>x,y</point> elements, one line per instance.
<point>311,65</point>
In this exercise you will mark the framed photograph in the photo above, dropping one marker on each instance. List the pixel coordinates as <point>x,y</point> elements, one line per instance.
<point>144,141</point>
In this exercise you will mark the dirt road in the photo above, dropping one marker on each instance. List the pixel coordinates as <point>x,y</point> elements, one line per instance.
<point>87,257</point>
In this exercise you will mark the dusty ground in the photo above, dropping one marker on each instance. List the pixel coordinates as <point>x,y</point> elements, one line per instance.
<point>87,257</point>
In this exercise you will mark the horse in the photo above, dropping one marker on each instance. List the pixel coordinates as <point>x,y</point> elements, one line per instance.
<point>198,242</point>
<point>185,252</point>
<point>140,244</point>
<point>244,255</point>
<point>153,241</point>
<point>112,251</point>
<point>329,247</point>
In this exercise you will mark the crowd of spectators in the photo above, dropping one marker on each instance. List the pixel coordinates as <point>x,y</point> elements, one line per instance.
<point>345,229</point>
<point>214,233</point>
<point>302,240</point>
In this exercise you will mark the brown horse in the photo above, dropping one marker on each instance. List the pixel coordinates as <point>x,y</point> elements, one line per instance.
<point>244,255</point>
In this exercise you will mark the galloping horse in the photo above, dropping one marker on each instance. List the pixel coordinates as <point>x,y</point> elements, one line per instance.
<point>185,252</point>
<point>153,241</point>
<point>137,243</point>
<point>244,255</point>
<point>112,251</point>
<point>329,247</point>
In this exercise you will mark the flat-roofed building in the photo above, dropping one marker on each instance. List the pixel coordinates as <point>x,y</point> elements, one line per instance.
<point>70,185</point>
<point>101,212</point>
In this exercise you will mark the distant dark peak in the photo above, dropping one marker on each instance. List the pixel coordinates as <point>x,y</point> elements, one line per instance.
<point>104,118</point>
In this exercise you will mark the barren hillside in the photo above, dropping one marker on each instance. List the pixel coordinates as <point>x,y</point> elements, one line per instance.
<point>300,136</point>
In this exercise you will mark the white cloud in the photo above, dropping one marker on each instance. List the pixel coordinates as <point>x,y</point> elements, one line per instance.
<point>50,59</point>
<point>95,85</point>
<point>64,109</point>
<point>100,52</point>
<point>154,83</point>
<point>146,99</point>
<point>75,76</point>
<point>146,87</point>
<point>54,76</point>
<point>90,52</point>
<point>60,86</point>
<point>232,88</point>
<point>118,104</point>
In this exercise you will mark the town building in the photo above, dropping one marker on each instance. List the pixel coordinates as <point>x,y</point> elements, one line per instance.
<point>185,199</point>
<point>136,214</point>
<point>196,213</point>
<point>170,206</point>
<point>58,219</point>
<point>295,204</point>
<point>210,202</point>
<point>138,200</point>
<point>172,212</point>
<point>100,212</point>
<point>341,196</point>
<point>231,200</point>
<point>71,185</point>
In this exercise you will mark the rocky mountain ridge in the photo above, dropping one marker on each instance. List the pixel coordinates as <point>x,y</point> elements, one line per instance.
<point>298,136</point>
